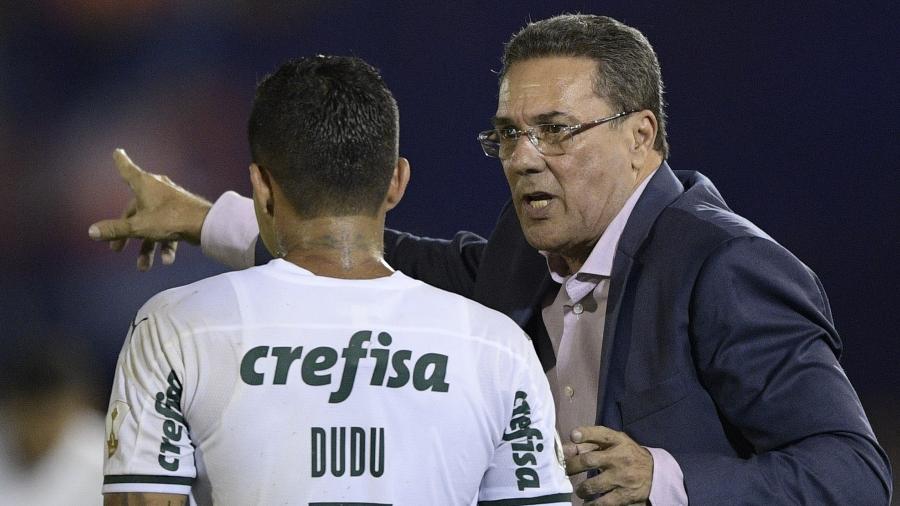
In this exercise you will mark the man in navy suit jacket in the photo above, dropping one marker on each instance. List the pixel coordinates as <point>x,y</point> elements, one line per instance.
<point>693,358</point>
<point>718,346</point>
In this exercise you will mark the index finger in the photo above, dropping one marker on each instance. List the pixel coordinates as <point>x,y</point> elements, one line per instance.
<point>110,230</point>
<point>127,169</point>
<point>572,449</point>
<point>597,434</point>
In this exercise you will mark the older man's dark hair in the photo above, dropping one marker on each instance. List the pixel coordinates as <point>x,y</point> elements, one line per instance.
<point>628,74</point>
<point>326,129</point>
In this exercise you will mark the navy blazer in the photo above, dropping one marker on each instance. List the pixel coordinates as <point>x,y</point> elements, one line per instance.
<point>718,347</point>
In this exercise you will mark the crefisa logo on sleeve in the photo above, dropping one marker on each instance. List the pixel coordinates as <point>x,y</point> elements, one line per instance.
<point>168,404</point>
<point>526,441</point>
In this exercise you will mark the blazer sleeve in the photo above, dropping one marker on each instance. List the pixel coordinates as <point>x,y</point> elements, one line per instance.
<point>767,352</point>
<point>451,265</point>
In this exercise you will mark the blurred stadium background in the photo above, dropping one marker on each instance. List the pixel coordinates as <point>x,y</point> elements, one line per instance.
<point>790,108</point>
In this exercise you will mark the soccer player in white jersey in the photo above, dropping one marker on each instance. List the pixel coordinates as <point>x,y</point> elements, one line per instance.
<point>325,377</point>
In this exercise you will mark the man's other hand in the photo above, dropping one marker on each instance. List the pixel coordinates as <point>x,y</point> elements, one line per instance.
<point>625,467</point>
<point>161,213</point>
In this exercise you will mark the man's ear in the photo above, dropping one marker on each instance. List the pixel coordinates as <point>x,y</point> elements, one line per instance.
<point>399,180</point>
<point>262,189</point>
<point>642,127</point>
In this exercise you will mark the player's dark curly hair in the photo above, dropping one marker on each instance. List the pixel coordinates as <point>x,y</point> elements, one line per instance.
<point>326,128</point>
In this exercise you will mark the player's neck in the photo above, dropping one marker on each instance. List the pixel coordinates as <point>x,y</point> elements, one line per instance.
<point>349,247</point>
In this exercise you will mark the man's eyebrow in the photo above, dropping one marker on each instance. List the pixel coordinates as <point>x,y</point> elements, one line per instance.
<point>540,119</point>
<point>499,121</point>
<point>549,117</point>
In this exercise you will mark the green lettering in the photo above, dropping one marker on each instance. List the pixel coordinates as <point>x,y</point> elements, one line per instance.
<point>172,430</point>
<point>527,477</point>
<point>381,359</point>
<point>357,451</point>
<point>248,363</point>
<point>520,422</point>
<point>164,407</point>
<point>351,354</point>
<point>168,447</point>
<point>337,456</point>
<point>435,382</point>
<point>524,459</point>
<point>527,446</point>
<point>174,390</point>
<point>376,451</point>
<point>384,339</point>
<point>526,432</point>
<point>398,361</point>
<point>381,362</point>
<point>286,357</point>
<point>165,464</point>
<point>522,408</point>
<point>318,452</point>
<point>318,359</point>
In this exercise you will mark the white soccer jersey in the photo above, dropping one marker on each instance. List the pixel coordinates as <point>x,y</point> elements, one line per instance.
<point>275,386</point>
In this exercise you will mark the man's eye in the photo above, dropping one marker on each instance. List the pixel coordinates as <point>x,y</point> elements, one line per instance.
<point>553,129</point>
<point>508,133</point>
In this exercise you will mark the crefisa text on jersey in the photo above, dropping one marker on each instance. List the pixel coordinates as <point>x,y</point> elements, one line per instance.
<point>168,404</point>
<point>525,441</point>
<point>428,371</point>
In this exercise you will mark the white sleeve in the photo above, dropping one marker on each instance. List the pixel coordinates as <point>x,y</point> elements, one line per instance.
<point>230,231</point>
<point>667,485</point>
<point>528,466</point>
<point>148,444</point>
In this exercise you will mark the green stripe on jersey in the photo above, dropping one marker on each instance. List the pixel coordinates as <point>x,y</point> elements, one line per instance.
<point>147,478</point>
<point>522,501</point>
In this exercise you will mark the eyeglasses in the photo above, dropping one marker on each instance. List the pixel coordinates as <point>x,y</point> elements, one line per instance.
<point>549,139</point>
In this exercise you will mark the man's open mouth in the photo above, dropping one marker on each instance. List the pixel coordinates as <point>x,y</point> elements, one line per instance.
<point>538,200</point>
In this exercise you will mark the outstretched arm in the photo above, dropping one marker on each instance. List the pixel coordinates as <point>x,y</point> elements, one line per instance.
<point>161,213</point>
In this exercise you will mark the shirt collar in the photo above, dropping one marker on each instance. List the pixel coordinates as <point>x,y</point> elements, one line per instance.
<point>599,262</point>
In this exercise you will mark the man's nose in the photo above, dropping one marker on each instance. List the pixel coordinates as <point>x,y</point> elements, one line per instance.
<point>525,157</point>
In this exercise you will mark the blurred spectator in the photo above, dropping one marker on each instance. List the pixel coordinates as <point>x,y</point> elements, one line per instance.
<point>51,434</point>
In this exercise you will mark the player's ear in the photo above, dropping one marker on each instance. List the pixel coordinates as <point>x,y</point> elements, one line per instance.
<point>399,180</point>
<point>262,189</point>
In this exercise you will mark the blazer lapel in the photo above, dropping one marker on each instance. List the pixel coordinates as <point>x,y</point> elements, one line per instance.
<point>513,279</point>
<point>524,295</point>
<point>661,191</point>
<point>534,325</point>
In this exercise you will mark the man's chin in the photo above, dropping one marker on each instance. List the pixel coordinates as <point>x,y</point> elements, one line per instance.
<point>541,240</point>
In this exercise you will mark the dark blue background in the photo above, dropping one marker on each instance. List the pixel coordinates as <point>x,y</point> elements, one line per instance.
<point>790,109</point>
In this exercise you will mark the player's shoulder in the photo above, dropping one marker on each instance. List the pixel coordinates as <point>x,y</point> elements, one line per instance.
<point>213,296</point>
<point>470,317</point>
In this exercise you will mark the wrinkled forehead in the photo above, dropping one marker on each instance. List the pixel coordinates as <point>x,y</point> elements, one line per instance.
<point>541,86</point>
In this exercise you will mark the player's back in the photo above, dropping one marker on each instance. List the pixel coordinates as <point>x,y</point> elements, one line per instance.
<point>299,389</point>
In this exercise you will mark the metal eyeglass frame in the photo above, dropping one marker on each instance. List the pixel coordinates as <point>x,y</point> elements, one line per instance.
<point>491,147</point>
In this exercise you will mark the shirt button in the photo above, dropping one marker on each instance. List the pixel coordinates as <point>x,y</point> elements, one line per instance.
<point>578,308</point>
<point>570,392</point>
